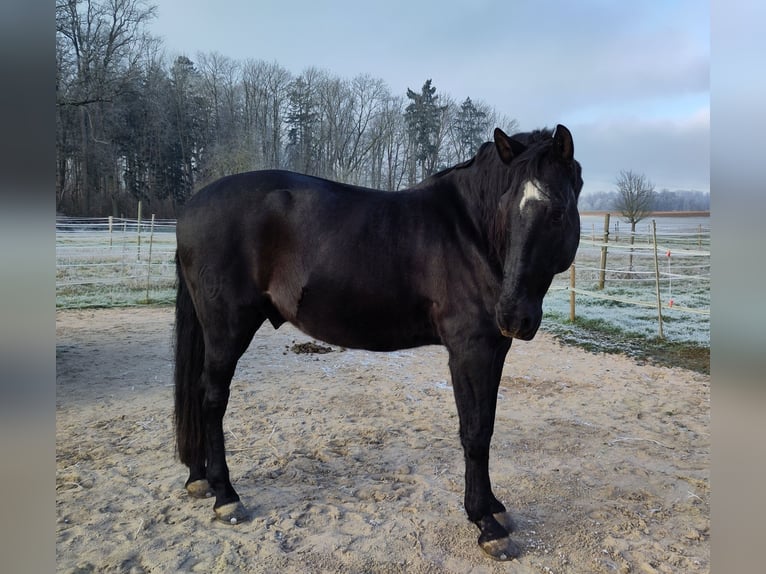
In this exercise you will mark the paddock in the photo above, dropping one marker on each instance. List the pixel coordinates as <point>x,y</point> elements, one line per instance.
<point>602,461</point>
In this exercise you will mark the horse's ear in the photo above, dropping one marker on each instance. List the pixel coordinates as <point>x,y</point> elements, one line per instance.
<point>562,141</point>
<point>507,148</point>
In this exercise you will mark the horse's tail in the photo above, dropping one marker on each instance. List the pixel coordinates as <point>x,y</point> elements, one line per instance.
<point>189,359</point>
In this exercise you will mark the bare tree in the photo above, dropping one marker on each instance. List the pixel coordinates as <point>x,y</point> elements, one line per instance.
<point>635,200</point>
<point>99,46</point>
<point>370,96</point>
<point>394,145</point>
<point>131,125</point>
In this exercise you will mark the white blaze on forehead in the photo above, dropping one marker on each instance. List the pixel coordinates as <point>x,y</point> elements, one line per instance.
<point>531,192</point>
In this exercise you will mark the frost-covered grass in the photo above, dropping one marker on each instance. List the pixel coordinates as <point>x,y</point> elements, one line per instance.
<point>623,316</point>
<point>628,300</point>
<point>97,269</point>
<point>643,321</point>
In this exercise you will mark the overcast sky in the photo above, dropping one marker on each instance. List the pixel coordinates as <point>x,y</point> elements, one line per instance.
<point>630,79</point>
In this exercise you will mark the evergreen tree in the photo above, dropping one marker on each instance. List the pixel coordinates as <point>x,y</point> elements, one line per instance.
<point>423,116</point>
<point>188,110</point>
<point>470,127</point>
<point>302,119</point>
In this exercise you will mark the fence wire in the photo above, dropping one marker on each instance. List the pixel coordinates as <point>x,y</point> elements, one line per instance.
<point>627,299</point>
<point>108,262</point>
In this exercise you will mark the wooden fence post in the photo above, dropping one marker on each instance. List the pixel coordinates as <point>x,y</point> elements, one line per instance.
<point>602,273</point>
<point>111,222</point>
<point>572,293</point>
<point>138,230</point>
<point>149,263</point>
<point>657,278</point>
<point>124,243</point>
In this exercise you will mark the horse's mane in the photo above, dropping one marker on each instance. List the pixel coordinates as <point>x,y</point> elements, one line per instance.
<point>527,165</point>
<point>487,153</point>
<point>484,178</point>
<point>494,178</point>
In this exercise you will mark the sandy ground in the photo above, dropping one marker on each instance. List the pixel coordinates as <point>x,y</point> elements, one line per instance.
<point>350,461</point>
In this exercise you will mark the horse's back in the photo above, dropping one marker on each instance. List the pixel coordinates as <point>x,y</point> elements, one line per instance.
<point>261,197</point>
<point>279,213</point>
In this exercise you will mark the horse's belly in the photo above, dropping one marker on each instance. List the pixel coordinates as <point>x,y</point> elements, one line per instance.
<point>375,328</point>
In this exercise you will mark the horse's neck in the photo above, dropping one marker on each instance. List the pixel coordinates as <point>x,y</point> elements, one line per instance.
<point>480,199</point>
<point>480,193</point>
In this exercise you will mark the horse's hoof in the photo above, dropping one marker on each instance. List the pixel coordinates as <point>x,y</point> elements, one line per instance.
<point>505,520</point>
<point>199,489</point>
<point>232,513</point>
<point>501,548</point>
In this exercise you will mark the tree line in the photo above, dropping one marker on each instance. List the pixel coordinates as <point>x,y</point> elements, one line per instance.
<point>133,124</point>
<point>663,200</point>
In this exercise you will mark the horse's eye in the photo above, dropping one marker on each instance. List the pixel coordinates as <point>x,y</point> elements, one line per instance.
<point>557,216</point>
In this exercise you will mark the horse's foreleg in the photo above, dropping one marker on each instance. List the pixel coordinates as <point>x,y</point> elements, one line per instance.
<point>475,379</point>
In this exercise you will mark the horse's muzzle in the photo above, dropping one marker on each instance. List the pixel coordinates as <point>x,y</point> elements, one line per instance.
<point>506,333</point>
<point>526,335</point>
<point>522,323</point>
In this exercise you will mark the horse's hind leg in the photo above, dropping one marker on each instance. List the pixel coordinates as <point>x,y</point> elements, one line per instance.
<point>216,379</point>
<point>197,485</point>
<point>226,339</point>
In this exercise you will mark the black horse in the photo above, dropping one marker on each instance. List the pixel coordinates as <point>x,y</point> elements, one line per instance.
<point>463,259</point>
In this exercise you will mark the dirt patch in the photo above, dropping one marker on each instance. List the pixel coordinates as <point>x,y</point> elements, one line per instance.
<point>351,462</point>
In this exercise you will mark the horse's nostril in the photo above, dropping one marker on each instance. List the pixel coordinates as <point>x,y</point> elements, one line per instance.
<point>521,322</point>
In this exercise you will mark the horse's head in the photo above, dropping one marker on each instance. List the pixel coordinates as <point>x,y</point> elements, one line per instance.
<point>539,223</point>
